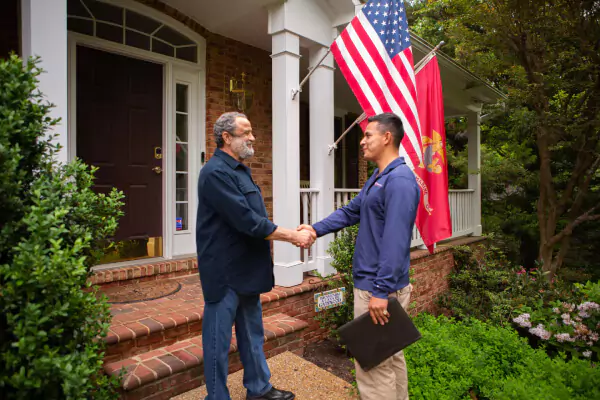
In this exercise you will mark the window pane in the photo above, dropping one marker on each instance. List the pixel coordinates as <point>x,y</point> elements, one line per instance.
<point>181,216</point>
<point>181,157</point>
<point>181,127</point>
<point>141,23</point>
<point>74,7</point>
<point>109,32</point>
<point>105,12</point>
<point>170,36</point>
<point>80,26</point>
<point>181,181</point>
<point>187,53</point>
<point>162,48</point>
<point>181,98</point>
<point>138,40</point>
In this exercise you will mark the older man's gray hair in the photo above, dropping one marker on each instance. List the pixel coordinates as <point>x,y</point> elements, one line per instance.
<point>226,123</point>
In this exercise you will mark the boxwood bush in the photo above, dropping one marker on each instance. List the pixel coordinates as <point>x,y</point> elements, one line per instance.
<point>52,225</point>
<point>471,359</point>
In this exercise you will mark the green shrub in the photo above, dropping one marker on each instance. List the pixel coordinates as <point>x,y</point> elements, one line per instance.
<point>491,288</point>
<point>52,228</point>
<point>472,359</point>
<point>342,253</point>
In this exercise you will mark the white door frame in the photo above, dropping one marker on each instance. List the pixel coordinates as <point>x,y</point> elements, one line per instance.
<point>180,243</point>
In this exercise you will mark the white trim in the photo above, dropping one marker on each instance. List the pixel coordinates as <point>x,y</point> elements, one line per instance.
<point>168,21</point>
<point>173,71</point>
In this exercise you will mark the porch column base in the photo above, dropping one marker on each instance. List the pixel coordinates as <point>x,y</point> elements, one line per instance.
<point>478,230</point>
<point>324,266</point>
<point>288,275</point>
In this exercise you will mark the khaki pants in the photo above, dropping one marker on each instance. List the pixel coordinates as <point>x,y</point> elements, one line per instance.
<point>389,380</point>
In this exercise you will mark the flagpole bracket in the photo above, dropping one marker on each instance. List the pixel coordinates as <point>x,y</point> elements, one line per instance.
<point>311,71</point>
<point>331,147</point>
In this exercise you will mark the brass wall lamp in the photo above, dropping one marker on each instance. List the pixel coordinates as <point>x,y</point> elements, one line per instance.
<point>240,96</point>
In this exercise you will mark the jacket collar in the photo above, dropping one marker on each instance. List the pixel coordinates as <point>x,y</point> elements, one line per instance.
<point>232,162</point>
<point>391,166</point>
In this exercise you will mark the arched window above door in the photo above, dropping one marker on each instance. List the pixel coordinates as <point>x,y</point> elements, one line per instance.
<point>120,25</point>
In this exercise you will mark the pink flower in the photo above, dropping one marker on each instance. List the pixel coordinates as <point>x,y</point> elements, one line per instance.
<point>523,320</point>
<point>561,337</point>
<point>540,332</point>
<point>587,353</point>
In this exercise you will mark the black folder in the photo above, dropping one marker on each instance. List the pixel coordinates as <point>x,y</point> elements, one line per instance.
<point>371,344</point>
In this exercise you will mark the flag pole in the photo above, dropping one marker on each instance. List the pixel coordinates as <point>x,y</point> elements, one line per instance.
<point>428,57</point>
<point>312,70</point>
<point>358,120</point>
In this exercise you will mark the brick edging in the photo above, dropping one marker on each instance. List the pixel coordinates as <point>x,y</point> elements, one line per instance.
<point>144,272</point>
<point>448,246</point>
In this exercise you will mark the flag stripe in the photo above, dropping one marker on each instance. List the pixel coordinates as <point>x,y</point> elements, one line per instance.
<point>348,74</point>
<point>361,84</point>
<point>400,99</point>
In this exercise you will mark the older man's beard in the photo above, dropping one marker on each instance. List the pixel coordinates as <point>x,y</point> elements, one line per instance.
<point>243,149</point>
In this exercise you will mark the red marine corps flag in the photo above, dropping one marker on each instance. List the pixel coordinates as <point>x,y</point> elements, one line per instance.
<point>433,216</point>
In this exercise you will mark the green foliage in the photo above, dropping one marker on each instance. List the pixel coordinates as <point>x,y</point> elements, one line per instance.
<point>342,253</point>
<point>472,359</point>
<point>53,226</point>
<point>491,288</point>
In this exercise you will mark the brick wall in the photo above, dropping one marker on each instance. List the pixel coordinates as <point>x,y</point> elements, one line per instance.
<point>226,58</point>
<point>431,273</point>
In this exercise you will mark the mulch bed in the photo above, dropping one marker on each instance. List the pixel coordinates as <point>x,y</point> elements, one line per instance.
<point>332,358</point>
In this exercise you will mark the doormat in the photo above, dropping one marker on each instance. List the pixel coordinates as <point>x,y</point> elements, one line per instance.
<point>139,292</point>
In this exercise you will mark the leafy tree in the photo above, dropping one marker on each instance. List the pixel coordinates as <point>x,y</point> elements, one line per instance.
<point>546,56</point>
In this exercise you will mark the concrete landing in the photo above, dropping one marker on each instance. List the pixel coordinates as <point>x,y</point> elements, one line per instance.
<point>289,372</point>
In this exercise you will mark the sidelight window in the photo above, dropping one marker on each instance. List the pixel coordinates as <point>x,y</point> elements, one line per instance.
<point>182,157</point>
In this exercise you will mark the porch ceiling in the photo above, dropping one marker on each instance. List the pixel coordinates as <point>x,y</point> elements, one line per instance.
<point>247,21</point>
<point>243,20</point>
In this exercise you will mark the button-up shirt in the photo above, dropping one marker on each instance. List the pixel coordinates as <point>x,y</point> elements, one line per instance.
<point>386,208</point>
<point>232,224</point>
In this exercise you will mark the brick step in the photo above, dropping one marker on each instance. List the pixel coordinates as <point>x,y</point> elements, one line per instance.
<point>144,272</point>
<point>138,328</point>
<point>170,370</point>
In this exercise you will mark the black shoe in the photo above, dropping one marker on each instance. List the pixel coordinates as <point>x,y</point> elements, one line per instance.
<point>274,394</point>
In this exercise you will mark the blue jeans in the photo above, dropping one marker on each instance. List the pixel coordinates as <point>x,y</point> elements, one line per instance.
<point>246,312</point>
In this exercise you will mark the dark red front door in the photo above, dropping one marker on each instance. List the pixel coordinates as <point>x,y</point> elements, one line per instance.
<point>119,125</point>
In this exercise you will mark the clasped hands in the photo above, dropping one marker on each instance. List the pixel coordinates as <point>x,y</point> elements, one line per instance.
<point>304,236</point>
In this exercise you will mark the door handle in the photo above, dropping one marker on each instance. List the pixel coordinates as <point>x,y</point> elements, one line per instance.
<point>158,170</point>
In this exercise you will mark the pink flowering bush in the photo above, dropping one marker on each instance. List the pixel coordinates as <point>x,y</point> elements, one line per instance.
<point>567,326</point>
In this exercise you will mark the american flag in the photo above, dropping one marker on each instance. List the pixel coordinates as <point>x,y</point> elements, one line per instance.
<point>375,55</point>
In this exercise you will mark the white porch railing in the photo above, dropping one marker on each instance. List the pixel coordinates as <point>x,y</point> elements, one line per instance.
<point>461,206</point>
<point>308,212</point>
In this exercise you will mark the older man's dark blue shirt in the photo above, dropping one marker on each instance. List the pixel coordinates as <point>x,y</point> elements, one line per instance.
<point>232,225</point>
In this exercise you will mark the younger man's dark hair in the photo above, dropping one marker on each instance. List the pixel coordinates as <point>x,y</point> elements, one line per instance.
<point>390,122</point>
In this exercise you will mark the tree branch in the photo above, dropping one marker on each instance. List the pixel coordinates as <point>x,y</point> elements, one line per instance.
<point>568,230</point>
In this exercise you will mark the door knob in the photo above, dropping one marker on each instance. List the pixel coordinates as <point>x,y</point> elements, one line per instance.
<point>158,170</point>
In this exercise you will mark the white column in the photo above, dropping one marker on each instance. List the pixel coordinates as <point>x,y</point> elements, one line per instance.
<point>286,154</point>
<point>474,135</point>
<point>321,135</point>
<point>44,34</point>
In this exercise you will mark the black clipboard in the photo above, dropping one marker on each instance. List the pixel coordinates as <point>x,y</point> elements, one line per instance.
<point>371,344</point>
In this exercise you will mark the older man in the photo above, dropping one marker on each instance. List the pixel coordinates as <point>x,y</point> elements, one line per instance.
<point>234,260</point>
<point>386,208</point>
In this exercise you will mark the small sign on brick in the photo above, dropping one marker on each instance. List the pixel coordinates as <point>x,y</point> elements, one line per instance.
<point>330,299</point>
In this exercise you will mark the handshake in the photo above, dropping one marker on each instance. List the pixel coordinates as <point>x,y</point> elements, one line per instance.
<point>304,236</point>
